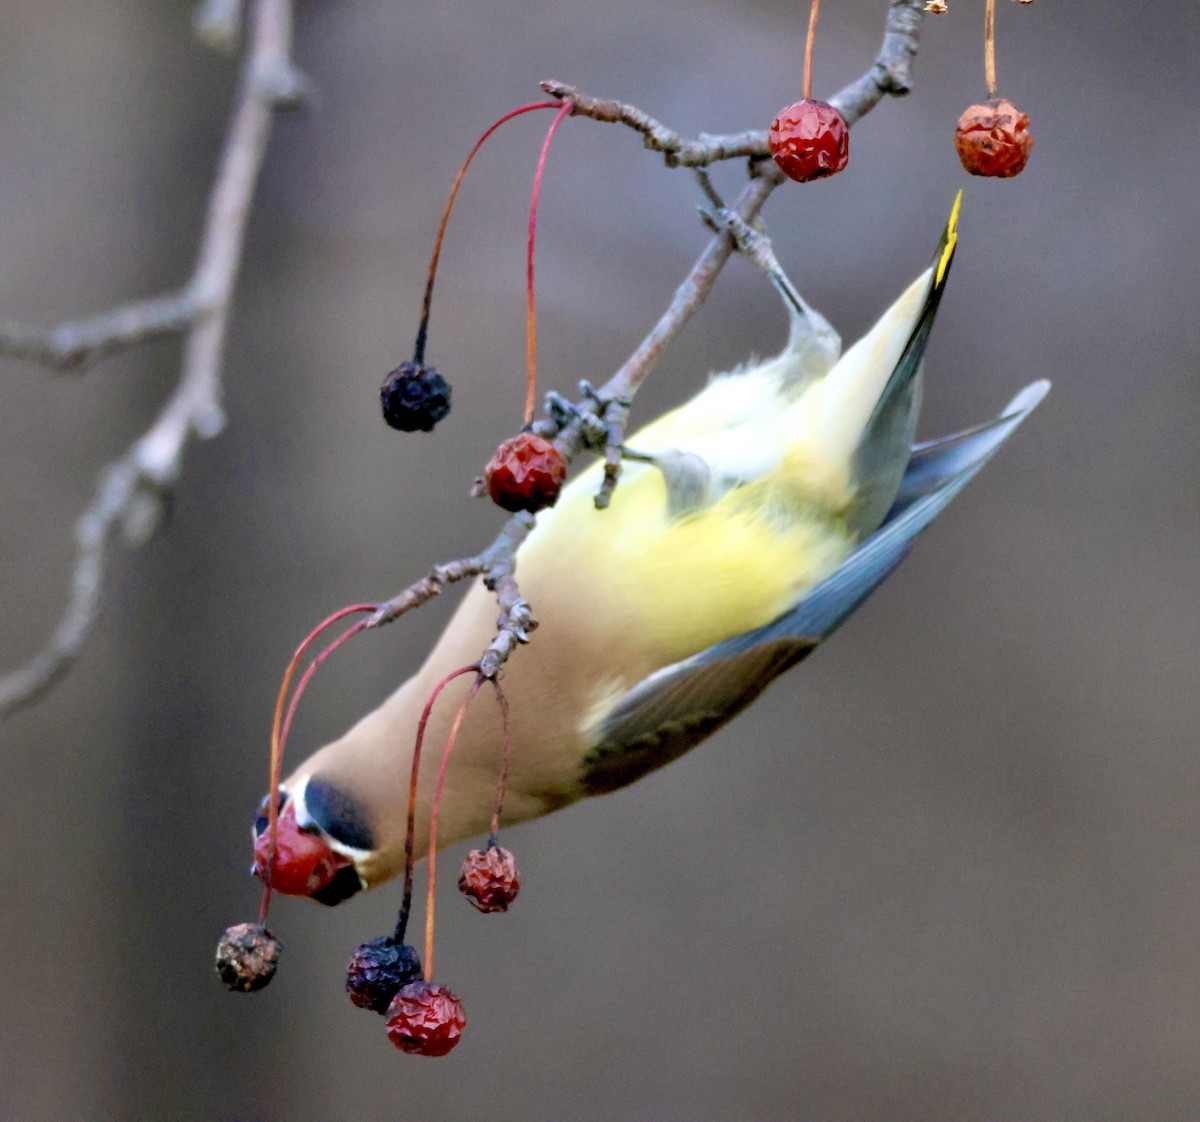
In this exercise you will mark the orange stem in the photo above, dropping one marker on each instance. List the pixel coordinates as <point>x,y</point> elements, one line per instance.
<point>531,333</point>
<point>433,824</point>
<point>989,46</point>
<point>277,743</point>
<point>406,901</point>
<point>505,757</point>
<point>808,47</point>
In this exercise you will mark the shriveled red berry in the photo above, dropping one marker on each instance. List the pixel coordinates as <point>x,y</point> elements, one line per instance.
<point>489,878</point>
<point>425,1020</point>
<point>526,473</point>
<point>414,397</point>
<point>304,862</point>
<point>247,957</point>
<point>378,971</point>
<point>993,138</point>
<point>809,140</point>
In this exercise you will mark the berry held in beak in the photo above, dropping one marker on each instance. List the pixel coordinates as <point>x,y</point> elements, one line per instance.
<point>305,863</point>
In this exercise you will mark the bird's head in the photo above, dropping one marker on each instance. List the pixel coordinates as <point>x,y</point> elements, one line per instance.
<point>321,838</point>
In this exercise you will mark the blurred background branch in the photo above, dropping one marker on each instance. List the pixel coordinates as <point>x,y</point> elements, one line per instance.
<point>134,490</point>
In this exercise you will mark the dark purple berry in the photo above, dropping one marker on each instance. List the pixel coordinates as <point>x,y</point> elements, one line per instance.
<point>378,971</point>
<point>414,397</point>
<point>247,956</point>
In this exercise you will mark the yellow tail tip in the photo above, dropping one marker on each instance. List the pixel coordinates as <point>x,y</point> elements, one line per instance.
<point>949,240</point>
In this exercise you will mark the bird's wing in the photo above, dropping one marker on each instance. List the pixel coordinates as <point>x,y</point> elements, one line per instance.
<point>675,708</point>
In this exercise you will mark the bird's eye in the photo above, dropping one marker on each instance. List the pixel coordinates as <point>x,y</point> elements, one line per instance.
<point>260,818</point>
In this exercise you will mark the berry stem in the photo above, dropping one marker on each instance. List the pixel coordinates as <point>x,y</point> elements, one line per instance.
<point>531,376</point>
<point>406,901</point>
<point>808,47</point>
<point>277,737</point>
<point>423,327</point>
<point>302,685</point>
<point>505,757</point>
<point>989,46</point>
<point>433,824</point>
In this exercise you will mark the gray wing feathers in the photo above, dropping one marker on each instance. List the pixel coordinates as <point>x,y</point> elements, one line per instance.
<point>677,707</point>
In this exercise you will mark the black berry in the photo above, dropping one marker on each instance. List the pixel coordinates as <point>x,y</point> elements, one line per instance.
<point>414,397</point>
<point>378,971</point>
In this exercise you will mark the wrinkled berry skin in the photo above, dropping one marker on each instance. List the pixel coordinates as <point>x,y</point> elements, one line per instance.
<point>378,971</point>
<point>425,1020</point>
<point>414,397</point>
<point>526,473</point>
<point>489,879</point>
<point>809,140</point>
<point>304,862</point>
<point>993,139</point>
<point>247,957</point>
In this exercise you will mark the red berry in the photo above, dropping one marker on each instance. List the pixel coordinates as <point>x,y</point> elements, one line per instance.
<point>526,473</point>
<point>304,862</point>
<point>489,879</point>
<point>993,138</point>
<point>425,1020</point>
<point>379,970</point>
<point>247,957</point>
<point>809,140</point>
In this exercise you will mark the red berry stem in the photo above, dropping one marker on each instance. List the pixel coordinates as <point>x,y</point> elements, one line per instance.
<point>505,757</point>
<point>406,901</point>
<point>302,685</point>
<point>433,824</point>
<point>808,47</point>
<point>989,46</point>
<point>276,775</point>
<point>423,327</point>
<point>531,376</point>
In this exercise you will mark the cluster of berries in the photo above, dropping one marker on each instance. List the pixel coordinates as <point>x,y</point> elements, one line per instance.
<point>527,471</point>
<point>810,140</point>
<point>384,975</point>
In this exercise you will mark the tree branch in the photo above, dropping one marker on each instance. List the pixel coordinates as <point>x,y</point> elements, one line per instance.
<point>133,490</point>
<point>573,425</point>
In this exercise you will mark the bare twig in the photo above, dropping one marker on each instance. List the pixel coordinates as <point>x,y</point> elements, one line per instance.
<point>656,136</point>
<point>72,347</point>
<point>133,490</point>
<point>891,74</point>
<point>218,24</point>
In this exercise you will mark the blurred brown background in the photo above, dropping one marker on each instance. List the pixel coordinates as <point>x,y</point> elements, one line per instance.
<point>948,870</point>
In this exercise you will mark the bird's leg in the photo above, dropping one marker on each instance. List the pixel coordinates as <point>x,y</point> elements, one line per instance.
<point>811,337</point>
<point>686,475</point>
<point>563,412</point>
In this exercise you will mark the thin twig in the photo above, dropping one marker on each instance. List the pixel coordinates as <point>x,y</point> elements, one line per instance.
<point>133,489</point>
<point>74,346</point>
<point>656,136</point>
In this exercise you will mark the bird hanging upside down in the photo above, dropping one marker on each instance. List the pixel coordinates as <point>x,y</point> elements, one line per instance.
<point>748,525</point>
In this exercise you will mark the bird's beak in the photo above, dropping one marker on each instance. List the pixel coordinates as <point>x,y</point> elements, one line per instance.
<point>308,862</point>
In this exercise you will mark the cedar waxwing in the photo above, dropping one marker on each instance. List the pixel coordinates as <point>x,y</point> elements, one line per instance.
<point>753,520</point>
